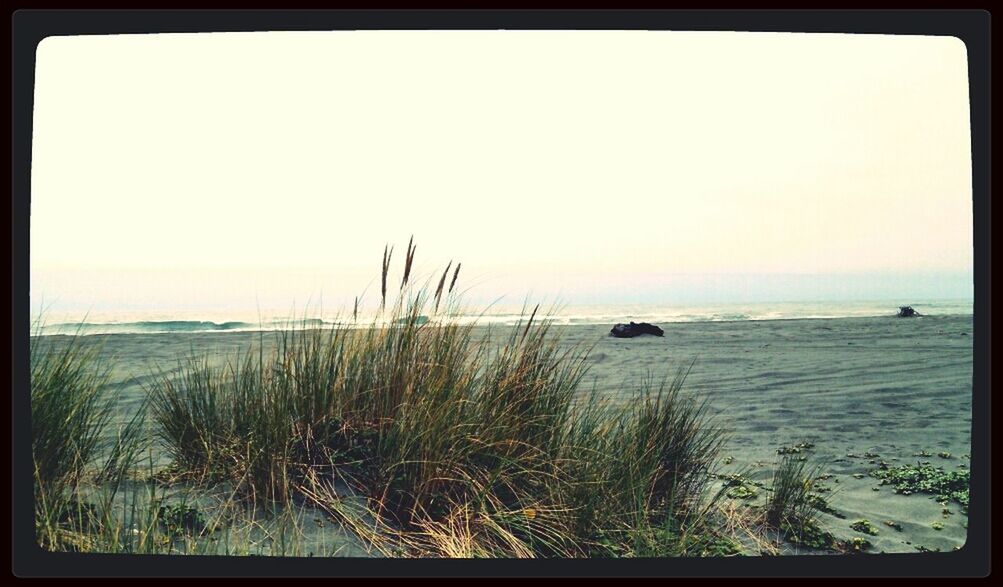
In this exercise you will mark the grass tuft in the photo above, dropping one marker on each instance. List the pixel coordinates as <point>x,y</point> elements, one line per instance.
<point>456,446</point>
<point>795,502</point>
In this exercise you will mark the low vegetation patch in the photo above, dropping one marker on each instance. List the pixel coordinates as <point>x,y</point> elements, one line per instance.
<point>822,504</point>
<point>180,519</point>
<point>856,545</point>
<point>738,486</point>
<point>925,478</point>
<point>795,449</point>
<point>809,535</point>
<point>864,527</point>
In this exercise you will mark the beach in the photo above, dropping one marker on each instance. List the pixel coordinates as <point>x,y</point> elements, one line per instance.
<point>854,392</point>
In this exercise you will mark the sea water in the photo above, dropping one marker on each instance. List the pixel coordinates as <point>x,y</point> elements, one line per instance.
<point>112,322</point>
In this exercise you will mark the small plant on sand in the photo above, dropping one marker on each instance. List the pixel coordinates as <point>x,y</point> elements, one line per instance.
<point>180,519</point>
<point>714,545</point>
<point>856,545</point>
<point>810,536</point>
<point>893,524</point>
<point>920,478</point>
<point>864,527</point>
<point>742,492</point>
<point>822,504</point>
<point>738,486</point>
<point>795,449</point>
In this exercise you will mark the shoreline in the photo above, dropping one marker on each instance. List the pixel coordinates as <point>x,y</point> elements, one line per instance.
<point>333,326</point>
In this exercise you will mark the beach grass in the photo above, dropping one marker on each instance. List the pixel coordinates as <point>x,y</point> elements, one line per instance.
<point>410,432</point>
<point>794,502</point>
<point>456,447</point>
<point>71,411</point>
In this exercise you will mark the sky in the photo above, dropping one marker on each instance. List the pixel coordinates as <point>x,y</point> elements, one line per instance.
<point>180,171</point>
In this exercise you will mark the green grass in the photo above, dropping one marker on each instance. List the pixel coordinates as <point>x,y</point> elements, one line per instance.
<point>87,498</point>
<point>68,412</point>
<point>792,498</point>
<point>71,411</point>
<point>795,502</point>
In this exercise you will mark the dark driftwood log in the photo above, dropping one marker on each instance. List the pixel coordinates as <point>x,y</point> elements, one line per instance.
<point>634,329</point>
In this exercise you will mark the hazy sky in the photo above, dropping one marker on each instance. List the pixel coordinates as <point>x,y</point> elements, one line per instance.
<point>216,169</point>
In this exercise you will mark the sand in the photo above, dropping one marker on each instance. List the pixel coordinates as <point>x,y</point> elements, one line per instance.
<point>888,387</point>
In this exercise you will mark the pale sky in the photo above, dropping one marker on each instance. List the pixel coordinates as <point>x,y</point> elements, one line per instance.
<point>187,169</point>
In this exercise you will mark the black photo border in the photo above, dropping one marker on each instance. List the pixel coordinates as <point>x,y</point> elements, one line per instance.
<point>30,27</point>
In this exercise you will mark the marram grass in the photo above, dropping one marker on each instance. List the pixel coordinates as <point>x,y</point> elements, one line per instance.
<point>458,448</point>
<point>455,448</point>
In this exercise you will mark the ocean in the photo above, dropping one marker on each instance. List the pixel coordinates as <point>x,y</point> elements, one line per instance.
<point>123,322</point>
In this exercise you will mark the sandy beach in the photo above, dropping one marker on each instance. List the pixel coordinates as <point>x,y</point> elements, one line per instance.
<point>895,390</point>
